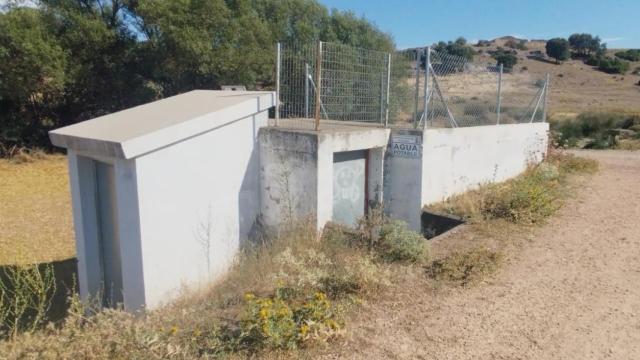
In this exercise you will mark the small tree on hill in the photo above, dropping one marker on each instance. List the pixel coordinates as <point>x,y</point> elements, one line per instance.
<point>558,48</point>
<point>584,44</point>
<point>457,48</point>
<point>507,59</point>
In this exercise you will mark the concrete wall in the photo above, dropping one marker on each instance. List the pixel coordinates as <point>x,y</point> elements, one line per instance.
<point>288,175</point>
<point>82,175</point>
<point>198,199</point>
<point>403,172</point>
<point>297,171</point>
<point>461,159</point>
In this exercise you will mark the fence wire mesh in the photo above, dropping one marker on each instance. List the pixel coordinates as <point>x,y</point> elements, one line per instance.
<point>465,92</point>
<point>359,86</point>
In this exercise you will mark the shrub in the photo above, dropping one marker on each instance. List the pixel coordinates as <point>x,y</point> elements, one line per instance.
<point>282,324</point>
<point>629,54</point>
<point>309,270</point>
<point>592,60</point>
<point>602,141</point>
<point>613,66</point>
<point>399,243</point>
<point>528,199</point>
<point>26,294</point>
<point>594,126</point>
<point>571,164</point>
<point>465,267</point>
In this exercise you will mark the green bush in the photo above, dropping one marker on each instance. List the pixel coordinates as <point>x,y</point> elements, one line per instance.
<point>629,54</point>
<point>528,199</point>
<point>613,66</point>
<point>594,126</point>
<point>571,164</point>
<point>508,60</point>
<point>602,141</point>
<point>592,60</point>
<point>284,324</point>
<point>399,243</point>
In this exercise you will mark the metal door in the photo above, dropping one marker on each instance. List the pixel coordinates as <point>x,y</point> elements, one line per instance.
<point>109,240</point>
<point>349,186</point>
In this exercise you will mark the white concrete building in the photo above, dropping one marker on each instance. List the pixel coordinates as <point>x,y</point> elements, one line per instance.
<point>164,193</point>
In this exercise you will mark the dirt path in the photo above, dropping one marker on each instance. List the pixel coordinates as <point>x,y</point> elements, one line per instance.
<point>572,293</point>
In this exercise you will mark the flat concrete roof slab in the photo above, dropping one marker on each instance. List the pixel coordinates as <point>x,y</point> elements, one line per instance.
<point>135,131</point>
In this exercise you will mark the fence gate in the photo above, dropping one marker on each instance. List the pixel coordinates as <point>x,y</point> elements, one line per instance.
<point>349,186</point>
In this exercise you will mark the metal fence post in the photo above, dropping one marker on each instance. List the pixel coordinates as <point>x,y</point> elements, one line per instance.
<point>386,115</point>
<point>318,85</point>
<point>427,66</point>
<point>382,99</point>
<point>417,94</point>
<point>499,104</point>
<point>278,61</point>
<point>546,99</point>
<point>306,90</point>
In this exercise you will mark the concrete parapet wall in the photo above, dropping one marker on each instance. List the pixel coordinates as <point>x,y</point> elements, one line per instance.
<point>461,159</point>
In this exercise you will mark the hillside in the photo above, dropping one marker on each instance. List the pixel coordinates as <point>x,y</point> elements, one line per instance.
<point>575,86</point>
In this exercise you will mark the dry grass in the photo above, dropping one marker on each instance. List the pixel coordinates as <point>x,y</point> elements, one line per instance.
<point>577,87</point>
<point>35,210</point>
<point>283,273</point>
<point>527,199</point>
<point>628,144</point>
<point>465,267</point>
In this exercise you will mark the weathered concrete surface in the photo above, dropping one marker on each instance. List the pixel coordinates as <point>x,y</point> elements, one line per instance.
<point>297,170</point>
<point>288,175</point>
<point>403,172</point>
<point>458,160</point>
<point>199,200</point>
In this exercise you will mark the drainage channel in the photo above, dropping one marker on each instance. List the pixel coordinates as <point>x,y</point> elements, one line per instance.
<point>435,224</point>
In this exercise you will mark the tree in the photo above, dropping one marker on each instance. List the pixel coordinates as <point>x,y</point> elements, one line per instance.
<point>66,61</point>
<point>456,48</point>
<point>558,48</point>
<point>584,44</point>
<point>507,59</point>
<point>32,76</point>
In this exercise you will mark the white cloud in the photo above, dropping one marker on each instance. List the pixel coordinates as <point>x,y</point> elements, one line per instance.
<point>612,39</point>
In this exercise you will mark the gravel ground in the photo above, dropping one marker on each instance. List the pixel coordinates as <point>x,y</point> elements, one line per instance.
<point>573,292</point>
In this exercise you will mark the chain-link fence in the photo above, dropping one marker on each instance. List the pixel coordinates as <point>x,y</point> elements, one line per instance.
<point>464,92</point>
<point>328,85</point>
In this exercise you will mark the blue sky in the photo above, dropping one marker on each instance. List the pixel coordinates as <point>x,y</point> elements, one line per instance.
<point>421,22</point>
